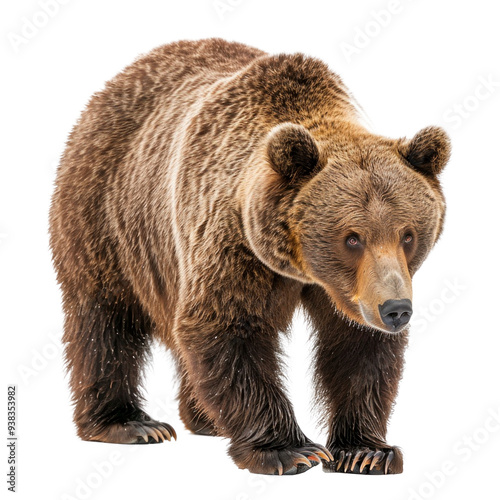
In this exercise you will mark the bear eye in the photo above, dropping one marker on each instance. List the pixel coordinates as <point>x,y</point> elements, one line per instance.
<point>353,241</point>
<point>407,238</point>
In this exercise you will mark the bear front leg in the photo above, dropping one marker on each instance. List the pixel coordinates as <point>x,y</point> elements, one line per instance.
<point>234,370</point>
<point>357,374</point>
<point>190,412</point>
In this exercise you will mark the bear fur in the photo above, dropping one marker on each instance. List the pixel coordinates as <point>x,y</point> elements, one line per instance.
<point>207,192</point>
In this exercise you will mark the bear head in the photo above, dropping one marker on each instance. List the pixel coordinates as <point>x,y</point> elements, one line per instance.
<point>351,211</point>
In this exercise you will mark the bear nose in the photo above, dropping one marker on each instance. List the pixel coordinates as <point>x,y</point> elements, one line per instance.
<point>396,313</point>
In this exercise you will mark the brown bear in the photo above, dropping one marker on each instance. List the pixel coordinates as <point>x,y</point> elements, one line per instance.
<point>207,192</point>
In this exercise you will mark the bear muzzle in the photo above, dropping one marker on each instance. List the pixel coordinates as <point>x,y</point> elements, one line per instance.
<point>384,290</point>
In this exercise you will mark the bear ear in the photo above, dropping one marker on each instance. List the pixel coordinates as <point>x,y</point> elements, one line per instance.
<point>428,152</point>
<point>292,151</point>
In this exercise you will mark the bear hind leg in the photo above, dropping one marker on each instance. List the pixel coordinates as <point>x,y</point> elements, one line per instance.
<point>194,418</point>
<point>106,345</point>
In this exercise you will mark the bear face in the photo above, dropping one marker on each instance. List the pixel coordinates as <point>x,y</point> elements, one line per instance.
<point>363,213</point>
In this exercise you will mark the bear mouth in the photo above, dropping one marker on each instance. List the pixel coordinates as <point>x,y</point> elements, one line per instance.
<point>357,314</point>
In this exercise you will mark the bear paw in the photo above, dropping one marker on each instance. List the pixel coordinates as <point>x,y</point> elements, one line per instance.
<point>135,432</point>
<point>366,461</point>
<point>285,461</point>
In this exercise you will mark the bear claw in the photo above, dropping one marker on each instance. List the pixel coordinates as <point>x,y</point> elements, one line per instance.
<point>282,462</point>
<point>145,431</point>
<point>154,432</point>
<point>366,461</point>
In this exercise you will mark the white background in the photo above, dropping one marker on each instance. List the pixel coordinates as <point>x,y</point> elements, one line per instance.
<point>425,63</point>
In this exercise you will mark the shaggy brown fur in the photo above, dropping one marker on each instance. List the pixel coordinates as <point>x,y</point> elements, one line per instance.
<point>207,192</point>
